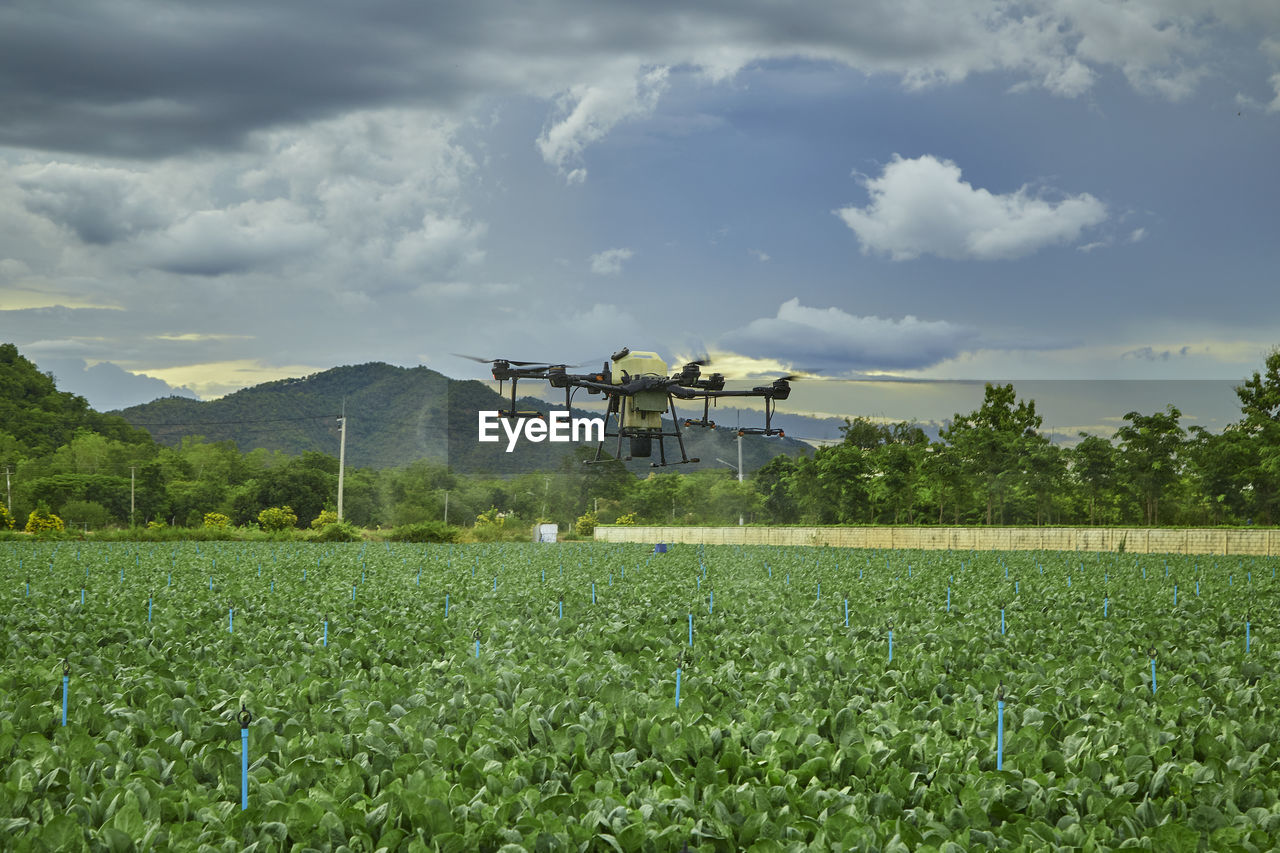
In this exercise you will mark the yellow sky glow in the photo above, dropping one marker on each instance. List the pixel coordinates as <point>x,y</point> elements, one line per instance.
<point>218,378</point>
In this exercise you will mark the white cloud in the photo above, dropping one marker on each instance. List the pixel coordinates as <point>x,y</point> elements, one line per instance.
<point>922,206</point>
<point>591,111</point>
<point>1137,235</point>
<point>609,262</point>
<point>243,237</point>
<point>759,255</point>
<point>832,340</point>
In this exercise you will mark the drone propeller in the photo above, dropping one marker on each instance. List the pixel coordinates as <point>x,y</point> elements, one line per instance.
<point>496,360</point>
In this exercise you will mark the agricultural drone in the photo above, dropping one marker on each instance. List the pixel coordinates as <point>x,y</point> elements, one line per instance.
<point>639,393</point>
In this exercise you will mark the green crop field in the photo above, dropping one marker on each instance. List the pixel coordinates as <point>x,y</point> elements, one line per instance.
<point>516,722</point>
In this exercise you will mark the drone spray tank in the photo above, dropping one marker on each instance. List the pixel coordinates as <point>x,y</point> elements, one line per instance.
<point>640,415</point>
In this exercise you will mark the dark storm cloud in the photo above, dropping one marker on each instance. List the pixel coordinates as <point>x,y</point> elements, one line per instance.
<point>144,79</point>
<point>137,78</point>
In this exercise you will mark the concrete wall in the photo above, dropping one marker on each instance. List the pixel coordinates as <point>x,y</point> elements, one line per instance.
<point>1134,540</point>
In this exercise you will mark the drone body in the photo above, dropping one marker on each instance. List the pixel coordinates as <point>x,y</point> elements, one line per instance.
<point>639,392</point>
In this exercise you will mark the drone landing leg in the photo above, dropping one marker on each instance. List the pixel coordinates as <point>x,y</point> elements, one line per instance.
<point>679,433</point>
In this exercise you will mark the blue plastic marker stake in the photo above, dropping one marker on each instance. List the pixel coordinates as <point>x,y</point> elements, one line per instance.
<point>691,629</point>
<point>561,616</point>
<point>211,583</point>
<point>677,687</point>
<point>446,604</point>
<point>170,578</point>
<point>891,645</point>
<point>259,569</point>
<point>544,575</point>
<point>304,574</point>
<point>819,598</point>
<point>149,598</point>
<point>770,568</point>
<point>1153,672</point>
<point>66,679</point>
<point>231,620</point>
<point>711,603</point>
<point>244,767</point>
<point>28,589</point>
<point>477,648</point>
<point>418,580</point>
<point>326,634</point>
<point>1068,580</point>
<point>999,734</point>
<point>846,613</point>
<point>1001,620</point>
<point>948,599</point>
<point>1246,637</point>
<point>1197,589</point>
<point>122,576</point>
<point>788,578</point>
<point>1015,587</point>
<point>1144,572</point>
<point>1104,607</point>
<point>1175,595</point>
<point>81,596</point>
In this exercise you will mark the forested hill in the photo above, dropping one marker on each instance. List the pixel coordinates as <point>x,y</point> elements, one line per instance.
<point>395,415</point>
<point>36,418</point>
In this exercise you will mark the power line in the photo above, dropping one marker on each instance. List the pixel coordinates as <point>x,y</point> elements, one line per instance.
<point>225,423</point>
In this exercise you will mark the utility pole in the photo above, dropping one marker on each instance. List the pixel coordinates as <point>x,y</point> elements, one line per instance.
<point>132,473</point>
<point>446,507</point>
<point>342,456</point>
<point>740,458</point>
<point>8,491</point>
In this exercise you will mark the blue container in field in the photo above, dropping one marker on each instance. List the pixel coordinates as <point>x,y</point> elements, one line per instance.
<point>660,548</point>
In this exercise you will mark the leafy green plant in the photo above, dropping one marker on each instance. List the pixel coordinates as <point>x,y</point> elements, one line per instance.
<point>42,520</point>
<point>216,519</point>
<point>338,531</point>
<point>277,518</point>
<point>629,518</point>
<point>325,518</point>
<point>427,531</point>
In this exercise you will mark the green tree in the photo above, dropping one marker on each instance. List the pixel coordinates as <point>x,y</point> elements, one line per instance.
<point>1260,426</point>
<point>1149,448</point>
<point>774,483</point>
<point>992,443</point>
<point>1092,465</point>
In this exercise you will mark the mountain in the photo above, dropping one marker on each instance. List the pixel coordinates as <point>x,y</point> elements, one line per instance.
<point>36,418</point>
<point>396,415</point>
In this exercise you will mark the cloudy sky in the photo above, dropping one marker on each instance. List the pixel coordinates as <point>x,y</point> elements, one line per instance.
<point>203,196</point>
